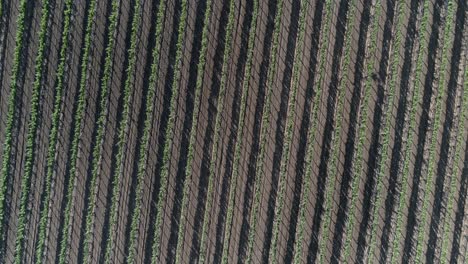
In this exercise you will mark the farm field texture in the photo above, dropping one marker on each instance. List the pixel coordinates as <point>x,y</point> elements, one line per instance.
<point>233,131</point>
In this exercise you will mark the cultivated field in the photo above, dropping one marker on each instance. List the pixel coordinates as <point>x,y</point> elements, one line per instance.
<point>233,131</point>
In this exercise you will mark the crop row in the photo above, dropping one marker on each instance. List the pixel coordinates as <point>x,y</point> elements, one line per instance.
<point>169,133</point>
<point>284,90</point>
<point>456,170</point>
<point>122,129</point>
<point>78,117</point>
<point>400,126</point>
<point>32,132</point>
<point>149,112</point>
<point>415,102</point>
<point>338,88</point>
<point>385,134</point>
<point>362,120</point>
<point>217,138</point>
<point>254,147</point>
<point>240,134</point>
<point>101,128</point>
<point>317,86</point>
<point>291,114</point>
<point>451,130</point>
<point>357,108</point>
<point>265,125</point>
<point>53,134</point>
<point>4,20</point>
<point>374,152</point>
<point>193,131</point>
<point>7,147</point>
<point>436,126</point>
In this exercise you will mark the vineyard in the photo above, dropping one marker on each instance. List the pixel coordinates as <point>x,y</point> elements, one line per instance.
<point>233,131</point>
